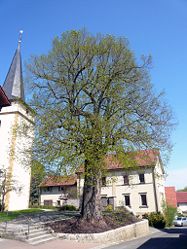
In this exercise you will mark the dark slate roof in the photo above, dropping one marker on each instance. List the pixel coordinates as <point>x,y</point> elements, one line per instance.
<point>13,85</point>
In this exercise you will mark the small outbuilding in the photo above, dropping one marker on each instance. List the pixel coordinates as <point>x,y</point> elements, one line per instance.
<point>182,201</point>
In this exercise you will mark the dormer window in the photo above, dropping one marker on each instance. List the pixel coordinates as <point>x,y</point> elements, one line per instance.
<point>141,178</point>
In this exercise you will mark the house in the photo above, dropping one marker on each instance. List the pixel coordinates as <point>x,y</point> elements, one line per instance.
<point>16,137</point>
<point>171,198</point>
<point>176,199</point>
<point>140,188</point>
<point>181,201</point>
<point>59,191</point>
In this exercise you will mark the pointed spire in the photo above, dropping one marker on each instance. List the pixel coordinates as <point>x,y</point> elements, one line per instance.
<point>13,85</point>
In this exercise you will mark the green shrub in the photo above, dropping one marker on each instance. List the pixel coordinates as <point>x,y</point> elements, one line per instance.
<point>34,205</point>
<point>48,207</point>
<point>156,220</point>
<point>67,208</point>
<point>145,216</point>
<point>109,208</point>
<point>169,213</point>
<point>41,206</point>
<point>120,209</point>
<point>179,215</point>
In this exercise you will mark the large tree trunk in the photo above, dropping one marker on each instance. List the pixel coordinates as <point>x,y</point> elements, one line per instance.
<point>91,199</point>
<point>3,203</point>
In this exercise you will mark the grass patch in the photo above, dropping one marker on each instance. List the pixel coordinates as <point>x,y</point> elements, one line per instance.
<point>7,216</point>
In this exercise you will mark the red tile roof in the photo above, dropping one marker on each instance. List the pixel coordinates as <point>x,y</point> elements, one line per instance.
<point>181,197</point>
<point>171,198</point>
<point>52,181</point>
<point>4,101</point>
<point>142,158</point>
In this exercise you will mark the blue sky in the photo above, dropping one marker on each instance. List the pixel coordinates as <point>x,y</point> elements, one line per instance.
<point>152,27</point>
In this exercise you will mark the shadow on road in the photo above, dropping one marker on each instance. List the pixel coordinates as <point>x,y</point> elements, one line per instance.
<point>179,230</point>
<point>177,240</point>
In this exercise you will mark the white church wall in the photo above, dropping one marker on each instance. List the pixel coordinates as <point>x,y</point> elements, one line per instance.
<point>15,145</point>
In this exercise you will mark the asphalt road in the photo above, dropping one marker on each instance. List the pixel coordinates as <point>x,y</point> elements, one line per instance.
<point>174,238</point>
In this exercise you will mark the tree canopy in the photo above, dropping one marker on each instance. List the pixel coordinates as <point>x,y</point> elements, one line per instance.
<point>92,97</point>
<point>37,176</point>
<point>182,190</point>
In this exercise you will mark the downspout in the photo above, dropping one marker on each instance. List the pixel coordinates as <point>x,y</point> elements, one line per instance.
<point>154,189</point>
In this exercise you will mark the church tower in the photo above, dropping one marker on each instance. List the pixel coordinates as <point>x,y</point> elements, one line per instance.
<point>16,138</point>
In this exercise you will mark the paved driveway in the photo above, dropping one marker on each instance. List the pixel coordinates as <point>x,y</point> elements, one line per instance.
<point>174,238</point>
<point>56,244</point>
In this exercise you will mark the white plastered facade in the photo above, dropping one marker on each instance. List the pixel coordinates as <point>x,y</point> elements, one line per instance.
<point>182,207</point>
<point>153,188</point>
<point>16,138</point>
<point>54,196</point>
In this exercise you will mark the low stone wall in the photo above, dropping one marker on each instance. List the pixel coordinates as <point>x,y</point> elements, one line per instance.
<point>123,233</point>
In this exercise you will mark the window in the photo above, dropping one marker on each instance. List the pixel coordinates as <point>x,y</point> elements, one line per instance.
<point>104,181</point>
<point>141,178</point>
<point>49,189</point>
<point>60,188</point>
<point>111,201</point>
<point>126,180</point>
<point>127,200</point>
<point>45,189</point>
<point>143,198</point>
<point>48,202</point>
<point>105,201</point>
